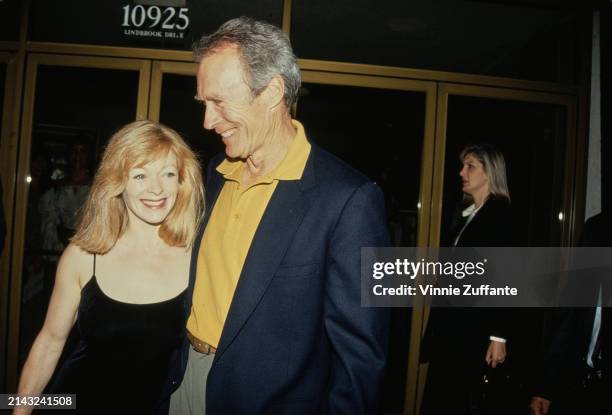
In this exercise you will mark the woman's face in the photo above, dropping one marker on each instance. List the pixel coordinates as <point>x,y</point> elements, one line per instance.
<point>473,177</point>
<point>151,189</point>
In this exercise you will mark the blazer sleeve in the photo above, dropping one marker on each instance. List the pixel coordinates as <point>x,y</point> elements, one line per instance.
<point>358,335</point>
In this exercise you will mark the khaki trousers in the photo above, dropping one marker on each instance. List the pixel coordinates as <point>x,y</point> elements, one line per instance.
<point>190,397</point>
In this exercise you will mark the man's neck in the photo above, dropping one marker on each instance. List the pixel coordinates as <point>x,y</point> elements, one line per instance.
<point>271,154</point>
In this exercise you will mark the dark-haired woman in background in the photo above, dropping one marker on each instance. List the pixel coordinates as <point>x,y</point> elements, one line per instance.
<point>460,341</point>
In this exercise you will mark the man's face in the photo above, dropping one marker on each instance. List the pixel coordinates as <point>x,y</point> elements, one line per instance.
<point>230,108</point>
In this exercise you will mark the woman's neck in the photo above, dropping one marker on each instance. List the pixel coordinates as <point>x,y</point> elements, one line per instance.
<point>142,236</point>
<point>480,199</point>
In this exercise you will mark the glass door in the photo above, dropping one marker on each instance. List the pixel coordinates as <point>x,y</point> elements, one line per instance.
<point>536,133</point>
<point>172,102</point>
<point>383,128</point>
<point>71,107</point>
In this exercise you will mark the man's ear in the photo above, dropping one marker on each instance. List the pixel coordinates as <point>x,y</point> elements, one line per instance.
<point>275,92</point>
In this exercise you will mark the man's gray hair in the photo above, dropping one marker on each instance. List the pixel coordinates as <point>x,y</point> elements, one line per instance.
<point>265,52</point>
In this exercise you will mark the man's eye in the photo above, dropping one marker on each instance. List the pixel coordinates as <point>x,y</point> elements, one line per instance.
<point>170,174</point>
<point>139,176</point>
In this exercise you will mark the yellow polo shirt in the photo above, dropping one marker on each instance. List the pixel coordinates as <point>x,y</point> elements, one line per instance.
<point>228,236</point>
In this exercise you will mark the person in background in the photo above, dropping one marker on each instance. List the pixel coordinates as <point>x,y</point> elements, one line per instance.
<point>575,376</point>
<point>459,341</point>
<point>59,207</point>
<point>276,323</point>
<point>122,280</point>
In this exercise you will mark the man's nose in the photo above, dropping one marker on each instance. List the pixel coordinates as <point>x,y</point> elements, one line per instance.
<point>210,117</point>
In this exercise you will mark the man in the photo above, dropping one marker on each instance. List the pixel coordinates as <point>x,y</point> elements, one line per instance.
<point>576,375</point>
<point>276,325</point>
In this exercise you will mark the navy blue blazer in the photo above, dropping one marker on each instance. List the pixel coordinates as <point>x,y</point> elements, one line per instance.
<point>296,339</point>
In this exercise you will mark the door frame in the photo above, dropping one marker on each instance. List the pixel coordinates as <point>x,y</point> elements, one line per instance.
<point>8,147</point>
<point>159,68</point>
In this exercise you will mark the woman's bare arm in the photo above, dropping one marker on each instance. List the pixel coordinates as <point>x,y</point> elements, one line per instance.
<point>60,318</point>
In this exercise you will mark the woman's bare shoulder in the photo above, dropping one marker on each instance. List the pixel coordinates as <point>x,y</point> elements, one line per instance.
<point>76,263</point>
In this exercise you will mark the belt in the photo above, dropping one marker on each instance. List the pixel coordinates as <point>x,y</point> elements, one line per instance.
<point>199,345</point>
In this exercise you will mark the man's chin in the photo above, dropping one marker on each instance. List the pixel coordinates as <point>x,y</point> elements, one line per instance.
<point>232,155</point>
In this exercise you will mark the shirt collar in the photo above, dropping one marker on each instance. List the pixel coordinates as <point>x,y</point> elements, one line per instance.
<point>471,209</point>
<point>290,168</point>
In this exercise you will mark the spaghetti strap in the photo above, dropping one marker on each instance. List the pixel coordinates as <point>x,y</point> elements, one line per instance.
<point>94,266</point>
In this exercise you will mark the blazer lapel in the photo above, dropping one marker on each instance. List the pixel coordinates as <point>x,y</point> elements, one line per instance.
<point>279,223</point>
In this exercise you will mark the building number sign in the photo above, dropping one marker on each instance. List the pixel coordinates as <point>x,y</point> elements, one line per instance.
<point>155,21</point>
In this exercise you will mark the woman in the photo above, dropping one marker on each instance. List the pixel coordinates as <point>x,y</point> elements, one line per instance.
<point>123,277</point>
<point>460,341</point>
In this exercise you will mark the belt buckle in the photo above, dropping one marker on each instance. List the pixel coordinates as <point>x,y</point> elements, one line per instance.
<point>204,348</point>
<point>199,346</point>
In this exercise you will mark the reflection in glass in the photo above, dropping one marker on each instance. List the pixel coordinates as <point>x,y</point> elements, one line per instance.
<point>380,133</point>
<point>182,112</point>
<point>76,110</point>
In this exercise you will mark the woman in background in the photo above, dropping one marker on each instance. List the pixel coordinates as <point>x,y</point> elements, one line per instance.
<point>460,341</point>
<point>123,277</point>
